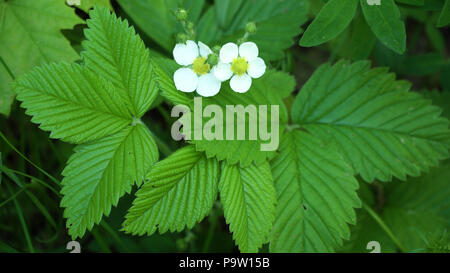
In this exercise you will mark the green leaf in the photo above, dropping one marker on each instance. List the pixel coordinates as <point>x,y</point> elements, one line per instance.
<point>6,94</point>
<point>248,199</point>
<point>156,17</point>
<point>444,18</point>
<point>178,192</point>
<point>380,127</point>
<point>225,11</point>
<point>332,19</point>
<point>414,211</point>
<point>385,22</point>
<point>71,102</point>
<point>366,228</point>
<point>412,2</point>
<point>316,194</point>
<point>356,42</point>
<point>30,32</point>
<point>115,52</point>
<point>100,172</point>
<point>441,99</point>
<point>277,24</point>
<point>86,5</point>
<point>435,37</point>
<point>422,202</point>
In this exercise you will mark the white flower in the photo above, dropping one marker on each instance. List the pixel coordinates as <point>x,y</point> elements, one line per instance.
<point>196,75</point>
<point>242,62</point>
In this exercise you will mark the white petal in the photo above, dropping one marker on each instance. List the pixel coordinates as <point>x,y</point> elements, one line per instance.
<point>249,51</point>
<point>256,68</point>
<point>228,52</point>
<point>222,71</point>
<point>208,85</point>
<point>241,84</point>
<point>185,80</point>
<point>184,54</point>
<point>204,49</point>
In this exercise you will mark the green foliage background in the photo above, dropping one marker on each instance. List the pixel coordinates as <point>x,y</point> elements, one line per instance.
<point>406,205</point>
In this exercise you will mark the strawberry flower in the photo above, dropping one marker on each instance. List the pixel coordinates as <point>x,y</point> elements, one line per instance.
<point>241,64</point>
<point>196,74</point>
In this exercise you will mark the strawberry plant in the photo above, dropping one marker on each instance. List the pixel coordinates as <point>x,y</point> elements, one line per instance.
<point>349,143</point>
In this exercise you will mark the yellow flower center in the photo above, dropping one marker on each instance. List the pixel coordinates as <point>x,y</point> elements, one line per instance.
<point>200,66</point>
<point>239,66</point>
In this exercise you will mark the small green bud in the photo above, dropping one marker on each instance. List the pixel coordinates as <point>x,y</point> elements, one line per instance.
<point>212,59</point>
<point>182,38</point>
<point>181,14</point>
<point>250,27</point>
<point>190,25</point>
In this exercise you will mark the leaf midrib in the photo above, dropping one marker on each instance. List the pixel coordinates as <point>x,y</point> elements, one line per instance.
<point>74,103</point>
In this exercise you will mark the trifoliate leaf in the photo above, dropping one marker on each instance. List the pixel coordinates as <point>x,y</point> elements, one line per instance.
<point>115,52</point>
<point>31,35</point>
<point>157,17</point>
<point>332,19</point>
<point>277,24</point>
<point>178,192</point>
<point>386,24</point>
<point>316,194</point>
<point>100,172</point>
<point>248,197</point>
<point>380,127</point>
<point>71,102</point>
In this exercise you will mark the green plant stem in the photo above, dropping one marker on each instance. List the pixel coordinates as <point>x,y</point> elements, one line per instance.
<point>29,161</point>
<point>13,196</point>
<point>210,235</point>
<point>6,170</point>
<point>113,234</point>
<point>22,220</point>
<point>101,241</point>
<point>384,227</point>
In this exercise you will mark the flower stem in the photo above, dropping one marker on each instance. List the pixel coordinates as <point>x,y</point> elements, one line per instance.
<point>383,225</point>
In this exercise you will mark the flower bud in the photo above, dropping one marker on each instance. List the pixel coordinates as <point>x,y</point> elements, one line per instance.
<point>190,25</point>
<point>250,27</point>
<point>212,59</point>
<point>181,14</point>
<point>181,38</point>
